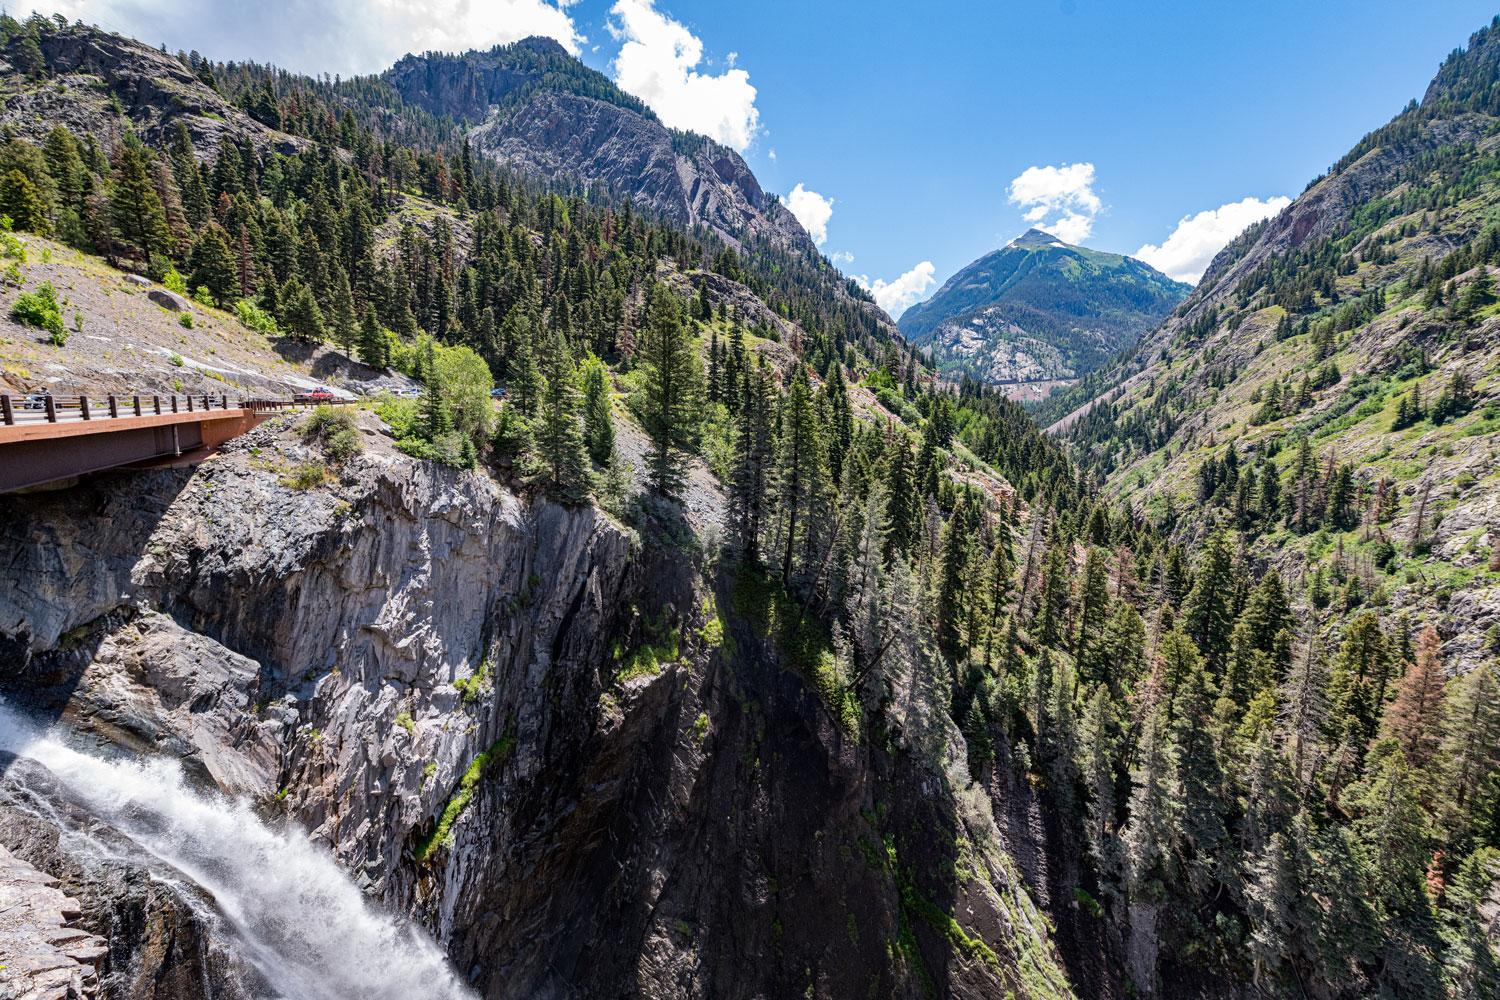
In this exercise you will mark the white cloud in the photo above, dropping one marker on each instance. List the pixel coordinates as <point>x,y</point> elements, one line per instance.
<point>771,155</point>
<point>334,36</point>
<point>899,294</point>
<point>656,64</point>
<point>842,257</point>
<point>1058,200</point>
<point>1186,254</point>
<point>812,210</point>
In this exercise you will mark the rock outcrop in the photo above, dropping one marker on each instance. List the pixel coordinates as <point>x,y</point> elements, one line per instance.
<point>99,76</point>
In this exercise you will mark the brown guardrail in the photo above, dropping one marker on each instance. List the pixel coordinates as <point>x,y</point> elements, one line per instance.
<point>44,407</point>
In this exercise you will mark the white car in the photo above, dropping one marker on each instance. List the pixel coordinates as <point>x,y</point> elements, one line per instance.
<point>407,393</point>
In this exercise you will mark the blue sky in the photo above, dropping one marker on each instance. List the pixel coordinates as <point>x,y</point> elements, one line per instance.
<point>915,119</point>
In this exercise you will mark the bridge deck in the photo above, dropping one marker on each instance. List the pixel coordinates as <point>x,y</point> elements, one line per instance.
<point>47,439</point>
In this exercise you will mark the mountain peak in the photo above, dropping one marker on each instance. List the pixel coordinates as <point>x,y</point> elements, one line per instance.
<point>1036,238</point>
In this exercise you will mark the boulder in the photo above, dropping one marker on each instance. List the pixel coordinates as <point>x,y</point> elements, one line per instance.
<point>169,300</point>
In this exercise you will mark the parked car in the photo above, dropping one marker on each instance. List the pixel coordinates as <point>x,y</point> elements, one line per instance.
<point>407,393</point>
<point>321,394</point>
<point>36,400</point>
<point>497,393</point>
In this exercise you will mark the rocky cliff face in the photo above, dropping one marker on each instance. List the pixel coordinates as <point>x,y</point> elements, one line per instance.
<point>583,764</point>
<point>539,111</point>
<point>96,77</point>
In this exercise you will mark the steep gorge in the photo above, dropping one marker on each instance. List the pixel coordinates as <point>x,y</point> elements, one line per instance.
<point>414,646</point>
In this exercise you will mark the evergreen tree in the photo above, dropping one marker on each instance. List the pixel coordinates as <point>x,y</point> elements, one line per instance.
<point>1052,612</point>
<point>212,266</point>
<point>1414,719</point>
<point>1208,615</point>
<point>562,461</point>
<point>300,314</point>
<point>374,347</point>
<point>1099,739</point>
<point>669,394</point>
<point>752,468</point>
<point>598,421</point>
<point>135,208</point>
<point>800,469</point>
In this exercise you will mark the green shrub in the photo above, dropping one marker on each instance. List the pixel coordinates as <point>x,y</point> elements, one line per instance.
<point>12,247</point>
<point>186,320</point>
<point>174,281</point>
<point>334,429</point>
<point>203,296</point>
<point>255,318</point>
<point>176,359</point>
<point>40,309</point>
<point>305,476</point>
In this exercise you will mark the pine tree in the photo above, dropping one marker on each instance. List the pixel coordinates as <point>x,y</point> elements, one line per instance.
<point>300,314</point>
<point>953,555</point>
<point>1207,613</point>
<point>1098,743</point>
<point>135,208</point>
<point>1361,673</point>
<point>525,383</point>
<point>902,506</point>
<point>374,347</point>
<point>1202,780</point>
<point>752,468</point>
<point>562,461</point>
<point>1270,899</point>
<point>20,200</point>
<point>434,413</point>
<point>1414,719</point>
<point>598,422</point>
<point>1390,826</point>
<point>1470,748</point>
<point>1093,607</point>
<point>1052,612</point>
<point>211,265</point>
<point>800,468</point>
<point>669,394</point>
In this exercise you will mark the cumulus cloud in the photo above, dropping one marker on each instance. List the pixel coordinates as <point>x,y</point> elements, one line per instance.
<point>1058,200</point>
<point>841,257</point>
<point>334,36</point>
<point>812,210</point>
<point>656,63</point>
<point>897,295</point>
<point>1186,254</point>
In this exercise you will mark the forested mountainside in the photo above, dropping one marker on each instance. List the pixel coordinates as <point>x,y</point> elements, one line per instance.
<point>730,654</point>
<point>1038,313</point>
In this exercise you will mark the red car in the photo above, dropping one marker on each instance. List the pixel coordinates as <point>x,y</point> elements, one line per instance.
<point>318,395</point>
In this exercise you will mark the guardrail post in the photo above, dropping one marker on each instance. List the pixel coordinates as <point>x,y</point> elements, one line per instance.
<point>190,404</point>
<point>5,411</point>
<point>51,406</point>
<point>137,405</point>
<point>224,400</point>
<point>83,407</point>
<point>114,407</point>
<point>174,402</point>
<point>156,402</point>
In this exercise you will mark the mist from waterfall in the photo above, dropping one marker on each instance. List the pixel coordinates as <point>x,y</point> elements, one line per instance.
<point>296,916</point>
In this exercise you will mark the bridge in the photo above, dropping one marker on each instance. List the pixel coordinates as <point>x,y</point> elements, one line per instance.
<point>49,439</point>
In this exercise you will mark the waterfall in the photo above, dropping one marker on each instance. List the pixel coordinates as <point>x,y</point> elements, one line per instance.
<point>295,916</point>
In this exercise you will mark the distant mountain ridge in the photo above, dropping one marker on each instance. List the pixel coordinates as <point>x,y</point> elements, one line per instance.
<point>1039,312</point>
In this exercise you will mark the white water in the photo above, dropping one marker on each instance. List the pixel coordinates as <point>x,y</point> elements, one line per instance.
<point>296,916</point>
